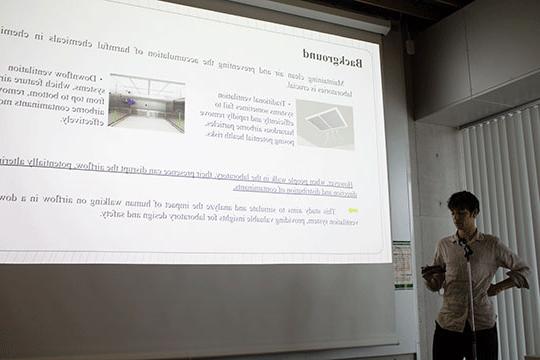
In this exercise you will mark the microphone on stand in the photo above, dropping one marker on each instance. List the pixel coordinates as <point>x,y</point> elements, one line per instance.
<point>468,252</point>
<point>466,247</point>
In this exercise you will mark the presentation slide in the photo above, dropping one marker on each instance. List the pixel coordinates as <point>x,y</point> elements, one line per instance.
<point>144,132</point>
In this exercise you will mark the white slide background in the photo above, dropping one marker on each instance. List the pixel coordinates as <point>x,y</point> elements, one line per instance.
<point>92,172</point>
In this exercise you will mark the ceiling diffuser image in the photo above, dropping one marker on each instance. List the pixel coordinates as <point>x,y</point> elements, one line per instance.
<point>329,119</point>
<point>324,125</point>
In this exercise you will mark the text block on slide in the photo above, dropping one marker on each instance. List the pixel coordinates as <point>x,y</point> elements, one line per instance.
<point>147,132</point>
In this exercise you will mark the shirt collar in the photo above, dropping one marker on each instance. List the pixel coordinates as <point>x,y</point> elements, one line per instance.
<point>478,236</point>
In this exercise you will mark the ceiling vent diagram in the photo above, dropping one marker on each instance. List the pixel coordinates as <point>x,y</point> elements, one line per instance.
<point>328,120</point>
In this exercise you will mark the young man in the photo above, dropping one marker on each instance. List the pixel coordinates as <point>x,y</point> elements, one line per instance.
<point>453,334</point>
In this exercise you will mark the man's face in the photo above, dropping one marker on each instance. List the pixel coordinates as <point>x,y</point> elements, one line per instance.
<point>463,219</point>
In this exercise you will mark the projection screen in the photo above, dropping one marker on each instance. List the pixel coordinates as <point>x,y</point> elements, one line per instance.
<point>151,134</point>
<point>203,138</point>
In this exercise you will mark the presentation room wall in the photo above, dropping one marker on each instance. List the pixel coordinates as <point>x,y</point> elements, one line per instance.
<point>436,175</point>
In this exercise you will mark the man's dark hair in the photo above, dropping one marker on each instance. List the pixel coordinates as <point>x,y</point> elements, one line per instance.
<point>464,200</point>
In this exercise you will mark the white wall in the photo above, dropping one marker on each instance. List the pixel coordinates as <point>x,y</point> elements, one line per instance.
<point>436,175</point>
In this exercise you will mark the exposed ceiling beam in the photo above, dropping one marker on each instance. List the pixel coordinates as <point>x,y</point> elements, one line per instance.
<point>407,8</point>
<point>458,4</point>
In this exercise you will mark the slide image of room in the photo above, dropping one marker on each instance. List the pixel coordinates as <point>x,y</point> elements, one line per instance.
<point>149,104</point>
<point>324,125</point>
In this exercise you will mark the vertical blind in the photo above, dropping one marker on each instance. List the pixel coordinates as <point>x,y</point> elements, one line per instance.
<point>501,160</point>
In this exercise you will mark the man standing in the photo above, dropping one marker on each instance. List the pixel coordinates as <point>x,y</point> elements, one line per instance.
<point>453,334</point>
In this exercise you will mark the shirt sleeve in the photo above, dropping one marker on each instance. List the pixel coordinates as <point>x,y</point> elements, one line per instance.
<point>519,271</point>
<point>436,282</point>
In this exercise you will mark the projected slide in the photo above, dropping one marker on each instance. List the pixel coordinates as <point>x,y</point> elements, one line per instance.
<point>148,132</point>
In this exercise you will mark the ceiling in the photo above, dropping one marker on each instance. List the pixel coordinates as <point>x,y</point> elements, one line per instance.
<point>417,14</point>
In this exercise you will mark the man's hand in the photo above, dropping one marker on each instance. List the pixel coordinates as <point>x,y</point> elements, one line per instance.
<point>429,271</point>
<point>434,276</point>
<point>494,289</point>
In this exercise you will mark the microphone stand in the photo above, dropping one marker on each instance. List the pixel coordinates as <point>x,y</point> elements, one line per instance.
<point>468,253</point>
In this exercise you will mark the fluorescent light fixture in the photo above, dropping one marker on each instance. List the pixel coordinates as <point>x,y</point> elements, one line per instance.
<point>146,88</point>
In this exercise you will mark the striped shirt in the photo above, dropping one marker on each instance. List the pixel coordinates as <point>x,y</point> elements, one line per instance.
<point>489,253</point>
